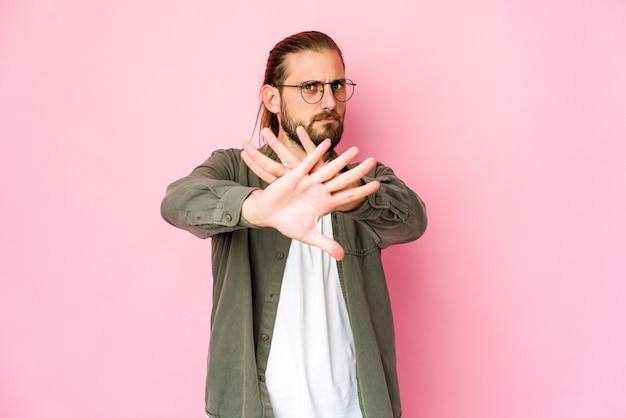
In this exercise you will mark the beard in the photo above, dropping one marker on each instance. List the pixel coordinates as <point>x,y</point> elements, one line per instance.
<point>328,130</point>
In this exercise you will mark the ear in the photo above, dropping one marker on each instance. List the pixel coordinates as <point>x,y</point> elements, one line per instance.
<point>271,98</point>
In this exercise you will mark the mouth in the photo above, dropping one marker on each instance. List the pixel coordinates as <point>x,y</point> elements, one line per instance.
<point>326,120</point>
<point>329,117</point>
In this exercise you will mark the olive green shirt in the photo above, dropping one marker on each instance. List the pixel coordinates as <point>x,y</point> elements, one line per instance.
<point>248,265</point>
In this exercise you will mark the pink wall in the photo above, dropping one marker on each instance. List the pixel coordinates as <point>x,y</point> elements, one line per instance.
<point>508,117</point>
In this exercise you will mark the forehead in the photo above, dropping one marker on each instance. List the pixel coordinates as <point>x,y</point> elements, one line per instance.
<point>324,65</point>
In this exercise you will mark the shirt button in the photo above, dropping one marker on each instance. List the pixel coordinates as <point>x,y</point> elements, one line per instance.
<point>228,218</point>
<point>280,255</point>
<point>262,377</point>
<point>264,337</point>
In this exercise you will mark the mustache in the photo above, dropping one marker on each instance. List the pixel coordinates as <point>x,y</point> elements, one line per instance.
<point>327,114</point>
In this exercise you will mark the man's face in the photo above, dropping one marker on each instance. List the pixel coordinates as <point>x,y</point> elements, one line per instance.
<point>323,119</point>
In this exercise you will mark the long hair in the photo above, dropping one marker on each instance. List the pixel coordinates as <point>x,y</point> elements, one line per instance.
<point>276,67</point>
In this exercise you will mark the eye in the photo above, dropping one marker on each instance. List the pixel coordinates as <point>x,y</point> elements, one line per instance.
<point>338,85</point>
<point>311,86</point>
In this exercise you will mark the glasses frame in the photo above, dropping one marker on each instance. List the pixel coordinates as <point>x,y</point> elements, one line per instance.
<point>301,86</point>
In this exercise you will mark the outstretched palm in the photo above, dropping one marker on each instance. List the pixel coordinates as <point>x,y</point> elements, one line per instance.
<point>301,192</point>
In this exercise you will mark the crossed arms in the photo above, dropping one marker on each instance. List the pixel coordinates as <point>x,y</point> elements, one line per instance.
<point>300,190</point>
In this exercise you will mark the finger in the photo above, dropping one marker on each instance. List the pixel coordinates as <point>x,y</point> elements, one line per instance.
<point>308,145</point>
<point>334,167</point>
<point>353,194</point>
<point>263,166</point>
<point>350,177</point>
<point>248,155</point>
<point>312,159</point>
<point>327,245</point>
<point>285,155</point>
<point>305,139</point>
<point>271,166</point>
<point>257,169</point>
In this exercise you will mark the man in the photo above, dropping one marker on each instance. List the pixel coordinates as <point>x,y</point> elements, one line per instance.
<point>301,324</point>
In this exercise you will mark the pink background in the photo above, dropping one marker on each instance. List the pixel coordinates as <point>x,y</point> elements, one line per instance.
<point>508,117</point>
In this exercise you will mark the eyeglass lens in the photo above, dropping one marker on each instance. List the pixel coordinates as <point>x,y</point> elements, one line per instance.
<point>313,91</point>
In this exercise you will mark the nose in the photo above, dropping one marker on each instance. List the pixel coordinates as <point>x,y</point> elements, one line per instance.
<point>328,101</point>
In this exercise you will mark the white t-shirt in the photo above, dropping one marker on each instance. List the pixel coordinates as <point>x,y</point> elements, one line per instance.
<point>311,371</point>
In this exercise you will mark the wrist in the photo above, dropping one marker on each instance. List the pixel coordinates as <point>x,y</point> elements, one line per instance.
<point>249,210</point>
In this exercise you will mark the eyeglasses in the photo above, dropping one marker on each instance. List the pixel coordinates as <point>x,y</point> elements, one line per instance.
<point>313,91</point>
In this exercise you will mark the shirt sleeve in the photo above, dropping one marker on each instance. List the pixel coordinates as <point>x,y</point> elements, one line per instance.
<point>395,214</point>
<point>208,201</point>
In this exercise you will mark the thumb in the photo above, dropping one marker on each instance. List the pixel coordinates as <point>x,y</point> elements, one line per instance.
<point>327,245</point>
